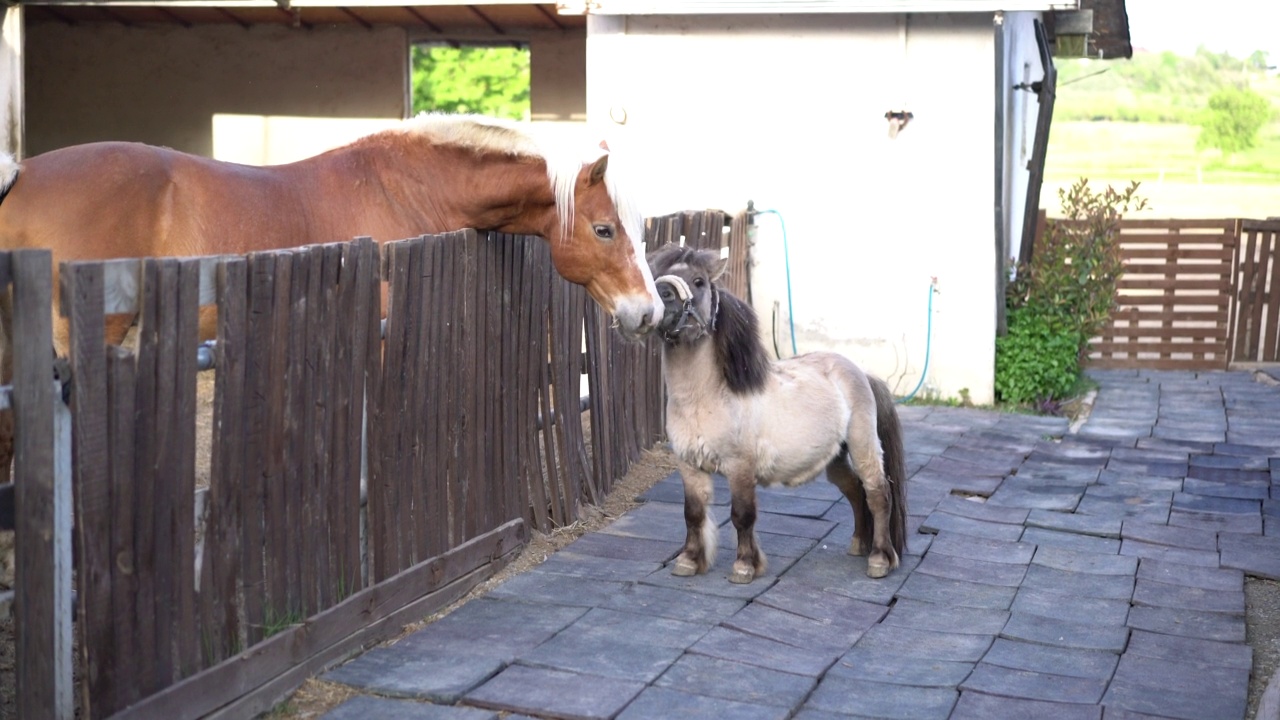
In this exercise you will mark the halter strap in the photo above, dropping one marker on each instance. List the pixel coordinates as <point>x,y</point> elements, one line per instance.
<point>686,297</point>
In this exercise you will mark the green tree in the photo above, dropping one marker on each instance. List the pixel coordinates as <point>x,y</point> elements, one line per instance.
<point>484,80</point>
<point>1232,120</point>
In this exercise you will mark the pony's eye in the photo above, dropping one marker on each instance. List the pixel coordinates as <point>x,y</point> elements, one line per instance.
<point>604,232</point>
<point>698,282</point>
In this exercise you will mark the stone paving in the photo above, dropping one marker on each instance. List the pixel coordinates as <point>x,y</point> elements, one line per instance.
<point>1049,574</point>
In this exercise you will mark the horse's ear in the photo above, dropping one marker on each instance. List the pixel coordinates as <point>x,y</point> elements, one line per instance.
<point>718,267</point>
<point>597,170</point>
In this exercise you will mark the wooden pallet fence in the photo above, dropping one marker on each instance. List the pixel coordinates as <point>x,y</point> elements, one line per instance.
<point>708,230</point>
<point>1255,312</point>
<point>1173,298</point>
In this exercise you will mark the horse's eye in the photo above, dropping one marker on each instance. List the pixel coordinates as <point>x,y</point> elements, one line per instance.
<point>604,232</point>
<point>698,282</point>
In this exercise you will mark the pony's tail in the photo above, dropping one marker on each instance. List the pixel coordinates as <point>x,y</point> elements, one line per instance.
<point>8,174</point>
<point>889,429</point>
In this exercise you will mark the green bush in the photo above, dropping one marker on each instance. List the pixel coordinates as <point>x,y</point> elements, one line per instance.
<point>1063,296</point>
<point>1036,360</point>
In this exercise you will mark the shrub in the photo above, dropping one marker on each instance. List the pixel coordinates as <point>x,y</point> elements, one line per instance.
<point>1064,296</point>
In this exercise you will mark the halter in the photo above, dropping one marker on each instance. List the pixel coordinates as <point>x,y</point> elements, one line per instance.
<point>687,314</point>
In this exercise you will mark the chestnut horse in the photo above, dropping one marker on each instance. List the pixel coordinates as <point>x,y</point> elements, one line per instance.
<point>732,410</point>
<point>436,173</point>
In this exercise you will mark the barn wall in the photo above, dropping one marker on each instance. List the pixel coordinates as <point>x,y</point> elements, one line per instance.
<point>163,85</point>
<point>788,111</point>
<point>558,76</point>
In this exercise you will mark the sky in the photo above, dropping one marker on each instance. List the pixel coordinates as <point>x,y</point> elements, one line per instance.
<point>1236,26</point>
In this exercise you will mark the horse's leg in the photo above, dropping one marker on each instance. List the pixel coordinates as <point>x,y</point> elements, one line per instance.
<point>868,464</point>
<point>751,561</point>
<point>700,529</point>
<point>842,476</point>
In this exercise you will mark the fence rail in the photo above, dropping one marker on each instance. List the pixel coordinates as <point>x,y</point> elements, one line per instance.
<point>463,423</point>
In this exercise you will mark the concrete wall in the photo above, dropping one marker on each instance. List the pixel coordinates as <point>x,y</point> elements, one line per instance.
<point>788,111</point>
<point>163,85</point>
<point>558,77</point>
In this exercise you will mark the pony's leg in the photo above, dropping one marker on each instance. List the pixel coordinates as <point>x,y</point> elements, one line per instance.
<point>842,476</point>
<point>751,561</point>
<point>699,549</point>
<point>868,464</point>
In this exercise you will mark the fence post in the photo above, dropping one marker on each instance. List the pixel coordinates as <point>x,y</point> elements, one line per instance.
<point>42,483</point>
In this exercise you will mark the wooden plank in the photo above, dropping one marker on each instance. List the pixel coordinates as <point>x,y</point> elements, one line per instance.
<point>1217,333</point>
<point>350,357</point>
<point>1270,341</point>
<point>145,464</point>
<point>322,428</point>
<point>275,506</point>
<point>42,622</point>
<point>488,389</point>
<point>435,387</point>
<point>82,293</point>
<point>372,379</point>
<point>164,497</point>
<point>1246,294</point>
<point>1155,364</point>
<point>257,342</point>
<point>221,571</point>
<point>530,338</point>
<point>514,503</point>
<point>1179,224</point>
<point>121,394</point>
<point>412,483</point>
<point>332,630</point>
<point>1166,347</point>
<point>184,479</point>
<point>313,391</point>
<point>297,450</point>
<point>385,510</point>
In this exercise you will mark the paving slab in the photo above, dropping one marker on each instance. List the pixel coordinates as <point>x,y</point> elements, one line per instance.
<point>1034,494</point>
<point>1227,490</point>
<point>715,581</point>
<point>542,586</point>
<point>363,707</point>
<point>729,644</point>
<point>1083,584</point>
<point>671,490</point>
<point>1035,657</point>
<point>1159,594</point>
<point>1188,623</point>
<point>1222,579</point>
<point>981,706</point>
<point>718,678</point>
<point>607,656</point>
<point>1235,457</point>
<point>1228,475</point>
<point>673,603</point>
<point>920,615</point>
<point>1208,503</point>
<point>971,485</point>
<point>1100,611</point>
<point>948,542</point>
<point>1173,536</point>
<point>829,567</point>
<point>1073,523</point>
<point>978,509</point>
<point>1058,473</point>
<point>493,627</point>
<point>617,547</point>
<point>1070,540</point>
<point>934,589</point>
<point>1145,455</point>
<point>888,667</point>
<point>881,700</point>
<point>1183,556</point>
<point>1065,634</point>
<point>545,691</point>
<point>997,680</point>
<point>1173,647</point>
<point>408,671</point>
<point>834,634</point>
<point>1139,484</point>
<point>568,562</point>
<point>925,644</point>
<point>604,623</point>
<point>1092,563</point>
<point>1254,554</point>
<point>1182,673</point>
<point>816,604</point>
<point>663,703</point>
<point>956,567</point>
<point>1216,522</point>
<point>1170,703</point>
<point>940,520</point>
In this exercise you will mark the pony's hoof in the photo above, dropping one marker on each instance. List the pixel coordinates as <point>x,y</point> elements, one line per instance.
<point>877,567</point>
<point>742,577</point>
<point>684,567</point>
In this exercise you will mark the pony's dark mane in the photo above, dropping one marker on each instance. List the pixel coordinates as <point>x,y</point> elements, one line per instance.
<point>742,356</point>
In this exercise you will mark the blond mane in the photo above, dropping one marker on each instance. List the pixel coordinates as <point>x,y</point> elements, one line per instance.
<point>564,159</point>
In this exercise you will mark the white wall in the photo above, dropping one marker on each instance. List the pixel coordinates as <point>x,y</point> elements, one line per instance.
<point>788,111</point>
<point>1023,107</point>
<point>163,84</point>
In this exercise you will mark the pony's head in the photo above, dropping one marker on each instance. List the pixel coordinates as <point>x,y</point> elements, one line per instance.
<point>690,299</point>
<point>694,308</point>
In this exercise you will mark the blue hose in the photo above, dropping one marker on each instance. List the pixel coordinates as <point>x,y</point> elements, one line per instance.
<point>928,341</point>
<point>786,259</point>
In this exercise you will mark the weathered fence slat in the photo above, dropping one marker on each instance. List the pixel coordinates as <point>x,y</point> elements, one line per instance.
<point>260,305</point>
<point>187,335</point>
<point>121,558</point>
<point>277,534</point>
<point>145,441</point>
<point>531,343</point>
<point>42,554</point>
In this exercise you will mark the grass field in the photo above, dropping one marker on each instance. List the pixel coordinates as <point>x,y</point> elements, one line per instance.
<point>1179,181</point>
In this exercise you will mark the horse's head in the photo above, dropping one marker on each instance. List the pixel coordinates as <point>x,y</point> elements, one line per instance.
<point>690,300</point>
<point>597,245</point>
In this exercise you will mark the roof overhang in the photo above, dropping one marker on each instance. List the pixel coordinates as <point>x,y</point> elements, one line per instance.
<point>747,7</point>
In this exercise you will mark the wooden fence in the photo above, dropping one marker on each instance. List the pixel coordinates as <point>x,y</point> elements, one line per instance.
<point>463,422</point>
<point>1255,312</point>
<point>1174,296</point>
